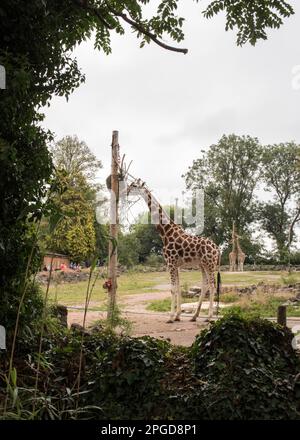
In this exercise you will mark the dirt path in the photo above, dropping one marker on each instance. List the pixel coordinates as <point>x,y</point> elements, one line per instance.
<point>145,322</point>
<point>152,324</point>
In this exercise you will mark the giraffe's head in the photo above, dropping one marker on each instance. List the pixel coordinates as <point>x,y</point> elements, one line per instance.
<point>237,236</point>
<point>158,215</point>
<point>136,186</point>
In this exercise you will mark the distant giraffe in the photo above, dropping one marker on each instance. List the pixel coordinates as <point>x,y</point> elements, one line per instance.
<point>182,249</point>
<point>240,254</point>
<point>233,253</point>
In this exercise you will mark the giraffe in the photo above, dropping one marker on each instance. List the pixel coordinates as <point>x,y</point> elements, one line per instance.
<point>182,249</point>
<point>240,254</point>
<point>233,253</point>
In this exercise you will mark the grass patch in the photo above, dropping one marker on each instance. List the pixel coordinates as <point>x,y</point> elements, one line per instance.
<point>164,305</point>
<point>264,309</point>
<point>258,304</point>
<point>128,284</point>
<point>132,283</point>
<point>160,305</point>
<point>242,279</point>
<point>291,278</point>
<point>227,298</point>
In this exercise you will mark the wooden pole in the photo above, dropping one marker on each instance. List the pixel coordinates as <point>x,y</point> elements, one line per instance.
<point>281,315</point>
<point>114,225</point>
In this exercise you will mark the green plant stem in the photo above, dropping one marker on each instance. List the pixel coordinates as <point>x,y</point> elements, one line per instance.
<point>25,286</point>
<point>87,301</point>
<point>42,334</point>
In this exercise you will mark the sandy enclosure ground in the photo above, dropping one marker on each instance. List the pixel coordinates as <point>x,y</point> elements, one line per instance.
<point>154,324</point>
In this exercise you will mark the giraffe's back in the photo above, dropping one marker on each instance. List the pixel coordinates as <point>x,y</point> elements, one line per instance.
<point>191,251</point>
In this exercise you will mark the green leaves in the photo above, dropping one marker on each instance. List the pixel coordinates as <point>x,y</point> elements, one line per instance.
<point>236,369</point>
<point>228,174</point>
<point>251,18</point>
<point>281,176</point>
<point>249,367</point>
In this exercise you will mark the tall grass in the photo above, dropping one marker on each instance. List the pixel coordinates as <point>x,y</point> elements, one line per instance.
<point>42,334</point>
<point>21,302</point>
<point>87,301</point>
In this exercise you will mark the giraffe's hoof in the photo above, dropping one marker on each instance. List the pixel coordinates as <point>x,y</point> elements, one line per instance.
<point>193,319</point>
<point>170,321</point>
<point>177,318</point>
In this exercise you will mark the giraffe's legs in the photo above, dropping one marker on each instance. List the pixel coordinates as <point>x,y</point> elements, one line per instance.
<point>174,291</point>
<point>202,296</point>
<point>178,298</point>
<point>211,281</point>
<point>211,295</point>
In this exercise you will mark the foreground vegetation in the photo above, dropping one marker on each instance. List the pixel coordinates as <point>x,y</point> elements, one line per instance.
<point>237,369</point>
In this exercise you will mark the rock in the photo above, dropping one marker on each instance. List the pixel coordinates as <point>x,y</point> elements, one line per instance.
<point>61,313</point>
<point>79,329</point>
<point>188,307</point>
<point>195,289</point>
<point>97,328</point>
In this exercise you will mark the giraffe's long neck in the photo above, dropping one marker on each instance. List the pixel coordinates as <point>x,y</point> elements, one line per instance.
<point>238,246</point>
<point>158,215</point>
<point>234,246</point>
<point>234,239</point>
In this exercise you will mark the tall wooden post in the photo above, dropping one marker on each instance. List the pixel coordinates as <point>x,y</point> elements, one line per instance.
<point>281,315</point>
<point>114,224</point>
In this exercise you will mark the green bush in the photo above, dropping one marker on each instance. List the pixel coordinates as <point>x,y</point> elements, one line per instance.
<point>249,367</point>
<point>127,382</point>
<point>229,297</point>
<point>154,260</point>
<point>30,312</point>
<point>295,258</point>
<point>290,279</point>
<point>237,369</point>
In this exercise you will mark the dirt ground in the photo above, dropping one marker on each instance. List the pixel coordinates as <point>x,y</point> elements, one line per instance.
<point>145,322</point>
<point>154,324</point>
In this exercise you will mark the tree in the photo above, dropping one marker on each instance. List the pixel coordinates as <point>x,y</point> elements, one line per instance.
<point>281,176</point>
<point>75,158</point>
<point>76,167</point>
<point>251,18</point>
<point>102,241</point>
<point>228,174</point>
<point>74,234</point>
<point>128,249</point>
<point>149,240</point>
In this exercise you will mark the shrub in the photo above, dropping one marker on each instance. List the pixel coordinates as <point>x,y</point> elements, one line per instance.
<point>295,258</point>
<point>249,367</point>
<point>127,377</point>
<point>229,298</point>
<point>30,312</point>
<point>237,369</point>
<point>154,260</point>
<point>290,279</point>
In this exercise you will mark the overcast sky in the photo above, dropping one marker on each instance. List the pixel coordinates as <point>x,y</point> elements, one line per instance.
<point>168,106</point>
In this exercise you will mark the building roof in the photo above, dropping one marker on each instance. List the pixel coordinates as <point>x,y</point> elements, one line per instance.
<point>53,254</point>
